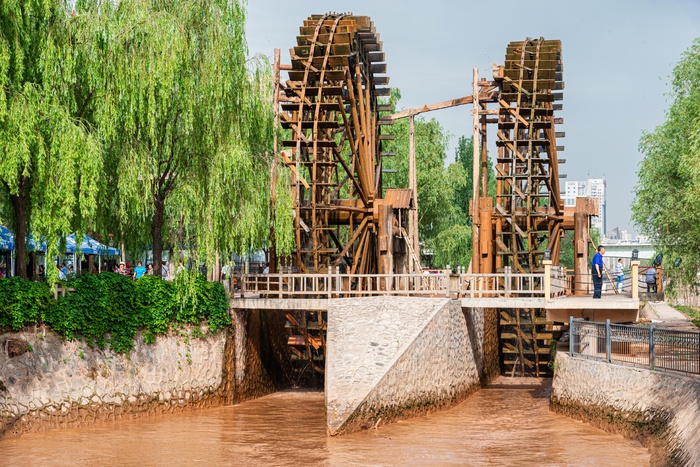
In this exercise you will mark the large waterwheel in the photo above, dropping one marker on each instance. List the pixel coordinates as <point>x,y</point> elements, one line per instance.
<point>528,199</point>
<point>335,142</point>
<point>529,211</point>
<point>334,151</point>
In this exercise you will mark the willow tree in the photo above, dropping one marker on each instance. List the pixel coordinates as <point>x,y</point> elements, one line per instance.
<point>186,122</point>
<point>49,162</point>
<point>668,189</point>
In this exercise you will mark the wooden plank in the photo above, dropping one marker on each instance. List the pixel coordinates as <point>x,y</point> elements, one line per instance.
<point>296,340</point>
<point>292,166</point>
<point>338,37</point>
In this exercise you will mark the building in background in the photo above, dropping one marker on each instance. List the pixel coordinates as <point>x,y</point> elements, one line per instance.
<point>619,234</point>
<point>591,188</point>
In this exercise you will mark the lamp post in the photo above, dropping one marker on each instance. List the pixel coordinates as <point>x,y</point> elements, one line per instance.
<point>634,266</point>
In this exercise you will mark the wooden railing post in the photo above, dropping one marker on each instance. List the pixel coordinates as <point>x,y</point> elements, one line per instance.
<point>547,278</point>
<point>507,279</point>
<point>634,266</point>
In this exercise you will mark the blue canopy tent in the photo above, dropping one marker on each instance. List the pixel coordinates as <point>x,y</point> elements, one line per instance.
<point>88,246</point>
<point>7,239</point>
<point>7,244</point>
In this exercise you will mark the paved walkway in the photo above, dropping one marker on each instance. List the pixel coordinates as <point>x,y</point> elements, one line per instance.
<point>665,316</point>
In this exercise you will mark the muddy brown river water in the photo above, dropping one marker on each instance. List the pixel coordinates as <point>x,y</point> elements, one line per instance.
<point>495,426</point>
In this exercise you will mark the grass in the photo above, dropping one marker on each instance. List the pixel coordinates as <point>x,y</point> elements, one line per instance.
<point>692,313</point>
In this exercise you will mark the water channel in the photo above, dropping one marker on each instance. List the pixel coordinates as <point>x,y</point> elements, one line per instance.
<point>496,426</point>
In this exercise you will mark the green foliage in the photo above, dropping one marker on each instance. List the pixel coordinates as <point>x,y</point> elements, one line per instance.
<point>692,313</point>
<point>22,302</point>
<point>443,193</point>
<point>103,309</point>
<point>668,188</point>
<point>464,159</point>
<point>453,246</point>
<point>110,308</point>
<point>49,161</point>
<point>566,254</point>
<point>158,300</point>
<point>186,121</point>
<point>436,211</point>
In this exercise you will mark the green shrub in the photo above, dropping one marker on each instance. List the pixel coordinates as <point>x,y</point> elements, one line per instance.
<point>157,298</point>
<point>103,308</point>
<point>199,300</point>
<point>109,308</point>
<point>22,302</point>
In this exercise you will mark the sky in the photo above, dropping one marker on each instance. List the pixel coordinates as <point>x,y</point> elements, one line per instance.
<point>617,54</point>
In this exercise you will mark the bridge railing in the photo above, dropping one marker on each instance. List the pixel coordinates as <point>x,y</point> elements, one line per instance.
<point>333,285</point>
<point>651,347</point>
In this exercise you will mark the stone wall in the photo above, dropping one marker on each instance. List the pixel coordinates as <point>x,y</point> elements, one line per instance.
<point>660,409</point>
<point>390,358</point>
<point>48,383</point>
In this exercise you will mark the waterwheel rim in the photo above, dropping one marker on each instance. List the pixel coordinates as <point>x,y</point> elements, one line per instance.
<point>335,143</point>
<point>528,200</point>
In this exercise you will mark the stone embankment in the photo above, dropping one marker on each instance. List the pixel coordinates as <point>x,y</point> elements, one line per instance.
<point>660,409</point>
<point>392,358</point>
<point>47,383</point>
<point>388,358</point>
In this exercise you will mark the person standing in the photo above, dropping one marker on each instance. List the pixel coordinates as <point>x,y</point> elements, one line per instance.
<point>164,271</point>
<point>597,271</point>
<point>139,270</point>
<point>620,273</point>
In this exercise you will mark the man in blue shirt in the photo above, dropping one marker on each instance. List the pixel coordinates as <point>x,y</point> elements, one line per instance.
<point>597,271</point>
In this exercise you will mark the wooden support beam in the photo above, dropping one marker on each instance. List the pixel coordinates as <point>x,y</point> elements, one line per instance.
<point>490,96</point>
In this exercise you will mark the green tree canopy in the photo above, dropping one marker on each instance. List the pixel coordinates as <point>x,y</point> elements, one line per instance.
<point>186,123</point>
<point>668,188</point>
<point>49,161</point>
<point>442,221</point>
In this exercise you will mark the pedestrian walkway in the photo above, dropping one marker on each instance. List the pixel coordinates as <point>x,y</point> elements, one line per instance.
<point>665,316</point>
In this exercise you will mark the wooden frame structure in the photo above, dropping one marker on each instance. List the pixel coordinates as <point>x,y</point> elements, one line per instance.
<point>330,104</point>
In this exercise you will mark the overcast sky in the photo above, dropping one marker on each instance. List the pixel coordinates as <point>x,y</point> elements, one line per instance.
<point>617,57</point>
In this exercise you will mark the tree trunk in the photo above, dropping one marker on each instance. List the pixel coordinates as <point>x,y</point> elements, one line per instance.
<point>20,205</point>
<point>157,234</point>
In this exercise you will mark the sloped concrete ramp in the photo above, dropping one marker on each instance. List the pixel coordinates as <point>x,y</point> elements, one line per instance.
<point>390,358</point>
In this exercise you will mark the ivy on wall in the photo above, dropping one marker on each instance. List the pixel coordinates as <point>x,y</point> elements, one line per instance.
<point>110,308</point>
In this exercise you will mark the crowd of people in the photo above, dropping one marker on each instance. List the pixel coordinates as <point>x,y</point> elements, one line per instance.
<point>168,269</point>
<point>125,269</point>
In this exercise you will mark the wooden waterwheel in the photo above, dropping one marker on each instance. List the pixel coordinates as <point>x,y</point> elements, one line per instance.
<point>335,144</point>
<point>528,211</point>
<point>528,200</point>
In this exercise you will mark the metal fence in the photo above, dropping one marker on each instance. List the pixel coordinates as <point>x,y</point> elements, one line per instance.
<point>650,347</point>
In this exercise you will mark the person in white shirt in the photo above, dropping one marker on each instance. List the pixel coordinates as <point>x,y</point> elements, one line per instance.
<point>619,272</point>
<point>61,274</point>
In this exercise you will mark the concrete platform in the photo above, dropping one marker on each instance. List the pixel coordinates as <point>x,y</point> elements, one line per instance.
<point>618,308</point>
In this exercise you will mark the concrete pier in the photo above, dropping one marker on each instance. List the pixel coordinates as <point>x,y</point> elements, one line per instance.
<point>395,357</point>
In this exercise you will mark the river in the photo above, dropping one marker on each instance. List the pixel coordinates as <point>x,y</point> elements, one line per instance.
<point>496,426</point>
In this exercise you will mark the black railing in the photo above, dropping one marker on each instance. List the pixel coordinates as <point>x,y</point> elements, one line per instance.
<point>650,347</point>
